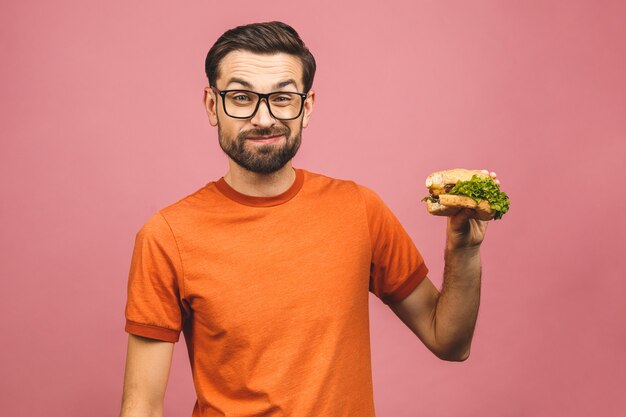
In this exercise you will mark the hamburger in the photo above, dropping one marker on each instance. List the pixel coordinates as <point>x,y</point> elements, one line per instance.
<point>455,189</point>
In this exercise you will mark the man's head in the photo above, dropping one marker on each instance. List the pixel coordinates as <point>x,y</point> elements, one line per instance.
<point>260,58</point>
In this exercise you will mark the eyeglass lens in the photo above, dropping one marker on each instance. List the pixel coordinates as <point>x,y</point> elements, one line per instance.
<point>283,105</point>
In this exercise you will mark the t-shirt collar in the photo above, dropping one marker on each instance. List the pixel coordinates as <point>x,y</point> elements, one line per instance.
<point>268,201</point>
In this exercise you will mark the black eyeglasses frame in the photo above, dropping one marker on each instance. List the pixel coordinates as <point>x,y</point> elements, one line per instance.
<point>261,96</point>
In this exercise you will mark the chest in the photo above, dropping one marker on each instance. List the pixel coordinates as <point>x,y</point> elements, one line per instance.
<point>305,268</point>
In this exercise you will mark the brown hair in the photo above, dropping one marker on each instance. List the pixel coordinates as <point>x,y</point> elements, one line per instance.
<point>262,38</point>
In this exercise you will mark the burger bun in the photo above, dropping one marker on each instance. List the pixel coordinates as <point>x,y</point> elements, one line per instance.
<point>449,205</point>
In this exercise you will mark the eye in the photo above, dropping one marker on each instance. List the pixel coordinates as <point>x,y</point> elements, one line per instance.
<point>240,97</point>
<point>282,98</point>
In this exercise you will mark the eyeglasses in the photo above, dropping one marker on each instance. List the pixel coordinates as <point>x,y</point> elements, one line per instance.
<point>243,104</point>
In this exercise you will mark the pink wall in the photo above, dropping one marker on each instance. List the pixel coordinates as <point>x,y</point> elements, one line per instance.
<point>102,124</point>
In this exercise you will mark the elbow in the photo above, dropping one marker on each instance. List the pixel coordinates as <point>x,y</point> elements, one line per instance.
<point>462,357</point>
<point>453,358</point>
<point>453,355</point>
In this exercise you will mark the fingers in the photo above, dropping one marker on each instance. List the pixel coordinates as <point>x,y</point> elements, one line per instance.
<point>492,175</point>
<point>466,214</point>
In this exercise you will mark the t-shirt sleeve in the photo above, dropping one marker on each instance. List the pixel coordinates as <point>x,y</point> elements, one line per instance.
<point>154,306</point>
<point>397,266</point>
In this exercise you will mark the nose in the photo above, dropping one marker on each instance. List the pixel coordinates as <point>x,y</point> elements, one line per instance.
<point>262,117</point>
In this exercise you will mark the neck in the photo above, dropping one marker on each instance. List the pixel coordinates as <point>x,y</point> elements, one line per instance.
<point>260,185</point>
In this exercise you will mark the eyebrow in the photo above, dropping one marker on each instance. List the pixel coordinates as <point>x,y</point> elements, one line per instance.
<point>239,81</point>
<point>246,84</point>
<point>286,83</point>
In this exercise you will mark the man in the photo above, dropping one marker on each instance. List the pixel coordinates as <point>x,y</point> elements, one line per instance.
<point>267,271</point>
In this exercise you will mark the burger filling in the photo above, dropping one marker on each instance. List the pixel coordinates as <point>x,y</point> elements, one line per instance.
<point>478,188</point>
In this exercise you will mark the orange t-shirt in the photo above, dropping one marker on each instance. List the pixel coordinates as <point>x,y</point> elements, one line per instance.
<point>271,293</point>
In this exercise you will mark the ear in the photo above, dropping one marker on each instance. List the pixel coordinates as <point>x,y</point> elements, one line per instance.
<point>210,104</point>
<point>308,108</point>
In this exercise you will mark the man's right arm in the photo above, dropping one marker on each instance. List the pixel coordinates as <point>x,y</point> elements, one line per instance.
<point>147,371</point>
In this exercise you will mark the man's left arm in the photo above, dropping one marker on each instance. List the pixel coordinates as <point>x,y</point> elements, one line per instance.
<point>445,321</point>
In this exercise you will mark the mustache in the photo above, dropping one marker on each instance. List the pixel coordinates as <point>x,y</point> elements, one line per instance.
<point>277,131</point>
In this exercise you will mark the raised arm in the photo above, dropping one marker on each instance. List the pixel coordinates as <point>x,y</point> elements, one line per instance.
<point>148,363</point>
<point>445,321</point>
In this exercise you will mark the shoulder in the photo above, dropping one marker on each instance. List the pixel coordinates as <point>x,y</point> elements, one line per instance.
<point>190,207</point>
<point>322,181</point>
<point>363,193</point>
<point>161,221</point>
<point>155,228</point>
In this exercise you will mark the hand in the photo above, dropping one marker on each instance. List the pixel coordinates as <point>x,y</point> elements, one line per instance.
<point>464,229</point>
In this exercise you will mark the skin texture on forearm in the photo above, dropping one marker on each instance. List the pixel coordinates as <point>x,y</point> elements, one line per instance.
<point>148,364</point>
<point>457,306</point>
<point>134,410</point>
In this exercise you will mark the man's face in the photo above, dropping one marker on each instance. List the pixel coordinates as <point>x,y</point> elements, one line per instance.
<point>260,144</point>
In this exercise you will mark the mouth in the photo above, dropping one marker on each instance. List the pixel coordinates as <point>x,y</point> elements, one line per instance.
<point>265,139</point>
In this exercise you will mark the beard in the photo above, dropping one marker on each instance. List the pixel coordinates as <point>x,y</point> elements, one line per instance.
<point>265,158</point>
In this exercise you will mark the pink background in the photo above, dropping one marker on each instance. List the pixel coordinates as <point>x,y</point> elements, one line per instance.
<point>102,124</point>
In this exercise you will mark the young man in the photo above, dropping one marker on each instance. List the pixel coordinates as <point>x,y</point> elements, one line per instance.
<point>267,270</point>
